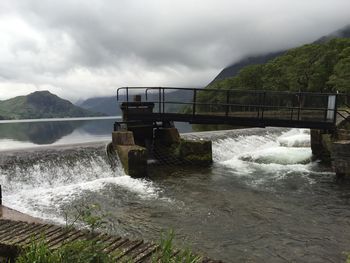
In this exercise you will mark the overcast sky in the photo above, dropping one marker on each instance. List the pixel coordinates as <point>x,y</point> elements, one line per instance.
<point>83,48</point>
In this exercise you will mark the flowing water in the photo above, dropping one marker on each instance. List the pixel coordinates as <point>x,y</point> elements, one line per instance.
<point>263,200</point>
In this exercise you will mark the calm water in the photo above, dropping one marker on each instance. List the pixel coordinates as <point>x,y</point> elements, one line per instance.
<point>263,199</point>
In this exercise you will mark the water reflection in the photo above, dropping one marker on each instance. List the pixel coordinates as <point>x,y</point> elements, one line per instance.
<point>37,133</point>
<point>58,131</point>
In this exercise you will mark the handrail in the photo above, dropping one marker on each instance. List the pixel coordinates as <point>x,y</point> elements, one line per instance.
<point>234,90</point>
<point>341,115</point>
<point>264,97</point>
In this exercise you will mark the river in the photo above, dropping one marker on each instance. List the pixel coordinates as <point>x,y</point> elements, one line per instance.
<point>263,200</point>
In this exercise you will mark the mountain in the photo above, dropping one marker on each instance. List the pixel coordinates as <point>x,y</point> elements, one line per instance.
<point>318,67</point>
<point>233,69</point>
<point>41,104</point>
<point>110,105</point>
<point>106,105</point>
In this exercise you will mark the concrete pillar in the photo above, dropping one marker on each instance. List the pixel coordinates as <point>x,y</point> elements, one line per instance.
<point>321,143</point>
<point>167,136</point>
<point>341,157</point>
<point>122,138</point>
<point>133,157</point>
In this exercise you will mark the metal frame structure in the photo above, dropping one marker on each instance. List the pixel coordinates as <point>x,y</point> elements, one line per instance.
<point>293,115</point>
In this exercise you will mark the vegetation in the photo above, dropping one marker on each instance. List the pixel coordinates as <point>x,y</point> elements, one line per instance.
<point>92,251</point>
<point>166,250</point>
<point>81,251</point>
<point>323,67</point>
<point>41,104</point>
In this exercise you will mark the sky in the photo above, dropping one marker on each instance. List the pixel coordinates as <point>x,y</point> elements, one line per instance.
<point>79,49</point>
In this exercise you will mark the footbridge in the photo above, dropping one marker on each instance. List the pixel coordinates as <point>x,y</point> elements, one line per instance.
<point>252,108</point>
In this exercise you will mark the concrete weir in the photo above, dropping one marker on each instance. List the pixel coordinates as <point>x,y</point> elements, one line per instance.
<point>136,142</point>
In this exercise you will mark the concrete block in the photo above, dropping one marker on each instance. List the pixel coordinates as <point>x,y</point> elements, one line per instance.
<point>321,145</point>
<point>133,159</point>
<point>341,157</point>
<point>122,138</point>
<point>196,151</point>
<point>167,136</point>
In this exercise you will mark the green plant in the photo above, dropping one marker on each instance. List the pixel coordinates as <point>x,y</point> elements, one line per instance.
<point>89,214</point>
<point>81,251</point>
<point>347,257</point>
<point>92,251</point>
<point>166,250</point>
<point>37,252</point>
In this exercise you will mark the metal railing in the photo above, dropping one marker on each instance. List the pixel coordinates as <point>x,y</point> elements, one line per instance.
<point>193,103</point>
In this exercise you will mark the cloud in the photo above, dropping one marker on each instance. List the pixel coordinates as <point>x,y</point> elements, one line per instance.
<point>80,49</point>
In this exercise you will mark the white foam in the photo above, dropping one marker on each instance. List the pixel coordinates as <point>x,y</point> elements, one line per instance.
<point>280,155</point>
<point>295,138</point>
<point>265,155</point>
<point>41,189</point>
<point>45,202</point>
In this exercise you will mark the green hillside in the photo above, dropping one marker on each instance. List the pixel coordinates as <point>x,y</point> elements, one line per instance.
<point>321,67</point>
<point>41,104</point>
<point>233,69</point>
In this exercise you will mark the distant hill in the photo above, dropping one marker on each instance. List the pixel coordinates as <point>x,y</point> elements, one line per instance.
<point>106,105</point>
<point>234,69</point>
<point>110,105</point>
<point>41,104</point>
<point>318,67</point>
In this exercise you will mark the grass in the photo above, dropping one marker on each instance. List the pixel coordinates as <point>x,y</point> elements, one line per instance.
<point>91,251</point>
<point>166,251</point>
<point>87,251</point>
<point>81,251</point>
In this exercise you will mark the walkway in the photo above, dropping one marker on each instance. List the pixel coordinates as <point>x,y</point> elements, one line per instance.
<point>16,235</point>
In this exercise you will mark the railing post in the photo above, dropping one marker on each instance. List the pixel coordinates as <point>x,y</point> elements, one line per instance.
<point>299,106</point>
<point>163,101</point>
<point>227,102</point>
<point>127,103</point>
<point>0,195</point>
<point>194,102</point>
<point>263,105</point>
<point>160,100</point>
<point>259,104</point>
<point>335,109</point>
